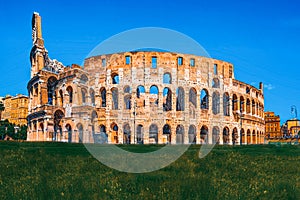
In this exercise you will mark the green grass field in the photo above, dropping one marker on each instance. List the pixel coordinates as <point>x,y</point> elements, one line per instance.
<point>68,171</point>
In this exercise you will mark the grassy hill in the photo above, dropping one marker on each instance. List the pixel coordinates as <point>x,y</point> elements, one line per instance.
<point>68,171</point>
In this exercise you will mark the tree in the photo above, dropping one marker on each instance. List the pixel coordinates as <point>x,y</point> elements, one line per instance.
<point>1,109</point>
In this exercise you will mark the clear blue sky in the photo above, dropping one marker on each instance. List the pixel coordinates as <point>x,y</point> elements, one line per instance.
<point>261,38</point>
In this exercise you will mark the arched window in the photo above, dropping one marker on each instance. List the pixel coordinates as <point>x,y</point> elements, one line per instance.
<point>253,107</point>
<point>140,90</point>
<point>180,99</point>
<point>126,133</point>
<point>234,103</point>
<point>235,136</point>
<point>204,135</point>
<point>61,95</point>
<point>70,93</point>
<point>215,83</point>
<point>83,96</point>
<point>127,89</point>
<point>127,102</point>
<point>115,78</point>
<point>204,99</point>
<point>192,134</point>
<point>226,135</point>
<point>193,97</point>
<point>247,90</point>
<point>153,95</point>
<point>179,134</point>
<point>215,136</point>
<point>103,137</point>
<point>242,104</point>
<point>216,103</point>
<point>92,96</point>
<point>167,79</point>
<point>58,115</point>
<point>115,98</point>
<point>226,102</point>
<point>80,133</point>
<point>140,134</point>
<point>51,83</point>
<point>153,134</point>
<point>167,99</point>
<point>69,130</point>
<point>248,106</point>
<point>103,97</point>
<point>114,133</point>
<point>167,133</point>
<point>83,79</point>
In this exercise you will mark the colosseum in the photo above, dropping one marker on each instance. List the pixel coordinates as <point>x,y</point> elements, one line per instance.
<point>140,97</point>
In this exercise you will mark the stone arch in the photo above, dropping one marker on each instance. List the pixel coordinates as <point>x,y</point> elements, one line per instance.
<point>253,107</point>
<point>114,133</point>
<point>242,104</point>
<point>70,93</point>
<point>204,99</point>
<point>167,99</point>
<point>254,137</point>
<point>192,134</point>
<point>127,102</point>
<point>167,133</point>
<point>234,103</point>
<point>216,135</point>
<point>167,78</point>
<point>247,90</point>
<point>204,134</point>
<point>226,104</point>
<point>126,133</point>
<point>80,132</point>
<point>226,135</point>
<point>248,106</point>
<point>153,134</point>
<point>243,136</point>
<point>140,134</point>
<point>58,116</point>
<point>235,136</point>
<point>153,95</point>
<point>248,136</point>
<point>83,96</point>
<point>115,98</point>
<point>193,97</point>
<point>51,84</point>
<point>69,132</point>
<point>180,104</point>
<point>127,89</point>
<point>216,103</point>
<point>179,134</point>
<point>115,78</point>
<point>140,96</point>
<point>94,119</point>
<point>83,79</point>
<point>103,137</point>
<point>61,96</point>
<point>92,97</point>
<point>103,97</point>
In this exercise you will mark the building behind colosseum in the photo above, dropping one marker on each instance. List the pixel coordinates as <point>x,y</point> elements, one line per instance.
<point>140,97</point>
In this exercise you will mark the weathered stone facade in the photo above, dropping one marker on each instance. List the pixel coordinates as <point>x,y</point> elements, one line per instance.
<point>141,97</point>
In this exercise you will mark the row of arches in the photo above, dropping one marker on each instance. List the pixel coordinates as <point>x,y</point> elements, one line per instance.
<point>155,136</point>
<point>245,105</point>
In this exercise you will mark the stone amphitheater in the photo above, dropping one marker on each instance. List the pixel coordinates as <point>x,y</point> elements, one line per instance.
<point>141,97</point>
